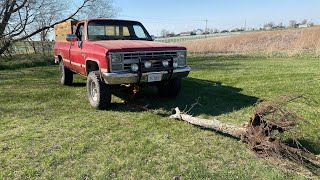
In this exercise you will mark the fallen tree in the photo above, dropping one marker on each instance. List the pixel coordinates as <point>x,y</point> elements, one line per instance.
<point>263,134</point>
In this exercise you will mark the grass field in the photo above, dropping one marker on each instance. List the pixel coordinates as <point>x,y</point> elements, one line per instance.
<point>49,131</point>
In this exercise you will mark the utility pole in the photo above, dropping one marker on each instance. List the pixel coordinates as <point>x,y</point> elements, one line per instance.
<point>205,31</point>
<point>245,24</point>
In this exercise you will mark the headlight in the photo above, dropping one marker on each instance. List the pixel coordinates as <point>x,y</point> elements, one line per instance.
<point>134,67</point>
<point>175,64</point>
<point>181,54</point>
<point>165,63</point>
<point>147,64</point>
<point>181,58</point>
<point>116,58</point>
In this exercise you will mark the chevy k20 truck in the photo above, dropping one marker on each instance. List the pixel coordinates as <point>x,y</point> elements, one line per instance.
<point>113,54</point>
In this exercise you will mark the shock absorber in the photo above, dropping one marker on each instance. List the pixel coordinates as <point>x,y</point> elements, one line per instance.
<point>136,90</point>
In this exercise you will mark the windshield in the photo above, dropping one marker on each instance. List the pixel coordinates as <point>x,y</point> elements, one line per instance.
<point>116,30</point>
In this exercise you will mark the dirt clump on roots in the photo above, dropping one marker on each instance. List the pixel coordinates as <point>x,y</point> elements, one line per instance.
<point>273,122</point>
<point>265,130</point>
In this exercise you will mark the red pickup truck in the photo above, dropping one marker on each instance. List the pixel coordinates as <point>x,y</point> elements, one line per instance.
<point>113,54</point>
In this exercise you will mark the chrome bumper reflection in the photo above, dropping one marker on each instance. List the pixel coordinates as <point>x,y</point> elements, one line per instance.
<point>132,78</point>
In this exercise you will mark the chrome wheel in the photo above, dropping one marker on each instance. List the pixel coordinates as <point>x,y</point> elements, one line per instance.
<point>93,91</point>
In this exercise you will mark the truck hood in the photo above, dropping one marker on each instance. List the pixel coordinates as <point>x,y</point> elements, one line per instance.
<point>136,45</point>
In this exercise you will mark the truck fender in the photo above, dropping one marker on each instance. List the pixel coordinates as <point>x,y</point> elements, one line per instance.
<point>92,65</point>
<point>58,58</point>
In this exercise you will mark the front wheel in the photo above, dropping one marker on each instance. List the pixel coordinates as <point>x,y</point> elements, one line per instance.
<point>99,93</point>
<point>170,88</point>
<point>66,75</point>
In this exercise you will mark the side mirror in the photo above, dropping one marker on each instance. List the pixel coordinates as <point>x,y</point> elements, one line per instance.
<point>71,37</point>
<point>80,44</point>
<point>153,37</point>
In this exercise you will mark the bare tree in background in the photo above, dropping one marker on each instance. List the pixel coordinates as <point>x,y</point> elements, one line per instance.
<point>23,19</point>
<point>164,32</point>
<point>18,17</point>
<point>99,9</point>
<point>269,25</point>
<point>311,24</point>
<point>43,37</point>
<point>47,15</point>
<point>280,25</point>
<point>304,22</point>
<point>293,23</point>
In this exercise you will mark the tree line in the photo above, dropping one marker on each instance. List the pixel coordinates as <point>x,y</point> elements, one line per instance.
<point>266,26</point>
<point>292,24</point>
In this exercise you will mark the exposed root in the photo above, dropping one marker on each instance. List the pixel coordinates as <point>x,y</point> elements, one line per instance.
<point>264,133</point>
<point>270,121</point>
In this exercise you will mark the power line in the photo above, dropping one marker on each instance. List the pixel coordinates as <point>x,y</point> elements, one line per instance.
<point>163,19</point>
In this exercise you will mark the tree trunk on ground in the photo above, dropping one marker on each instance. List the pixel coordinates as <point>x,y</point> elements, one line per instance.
<point>216,125</point>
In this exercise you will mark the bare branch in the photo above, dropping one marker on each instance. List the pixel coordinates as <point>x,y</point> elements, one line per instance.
<point>52,25</point>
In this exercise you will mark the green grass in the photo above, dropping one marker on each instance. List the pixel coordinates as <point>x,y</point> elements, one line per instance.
<point>25,61</point>
<point>49,131</point>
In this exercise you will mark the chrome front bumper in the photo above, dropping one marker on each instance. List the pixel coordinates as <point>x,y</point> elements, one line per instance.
<point>133,78</point>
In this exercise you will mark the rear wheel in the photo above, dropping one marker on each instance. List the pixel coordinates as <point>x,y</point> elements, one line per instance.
<point>99,93</point>
<point>170,88</point>
<point>66,75</point>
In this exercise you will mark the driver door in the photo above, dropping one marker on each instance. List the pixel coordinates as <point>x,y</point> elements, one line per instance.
<point>77,55</point>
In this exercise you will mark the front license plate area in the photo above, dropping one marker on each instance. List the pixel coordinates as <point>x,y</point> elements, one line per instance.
<point>154,77</point>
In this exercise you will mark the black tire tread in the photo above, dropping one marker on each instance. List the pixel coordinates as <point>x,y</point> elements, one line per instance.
<point>67,79</point>
<point>104,98</point>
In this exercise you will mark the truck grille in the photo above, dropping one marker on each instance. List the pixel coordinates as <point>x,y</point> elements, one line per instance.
<point>123,60</point>
<point>155,58</point>
<point>149,55</point>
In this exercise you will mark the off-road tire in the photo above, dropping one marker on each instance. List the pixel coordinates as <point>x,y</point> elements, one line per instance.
<point>170,88</point>
<point>99,93</point>
<point>66,75</point>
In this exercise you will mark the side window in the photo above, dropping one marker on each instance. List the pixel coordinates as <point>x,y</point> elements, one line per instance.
<point>139,31</point>
<point>116,31</point>
<point>111,30</point>
<point>80,32</point>
<point>125,31</point>
<point>95,30</point>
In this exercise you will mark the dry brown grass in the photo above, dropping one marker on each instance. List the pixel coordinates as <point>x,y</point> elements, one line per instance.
<point>289,42</point>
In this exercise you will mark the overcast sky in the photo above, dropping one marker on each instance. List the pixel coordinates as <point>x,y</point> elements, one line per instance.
<point>184,15</point>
